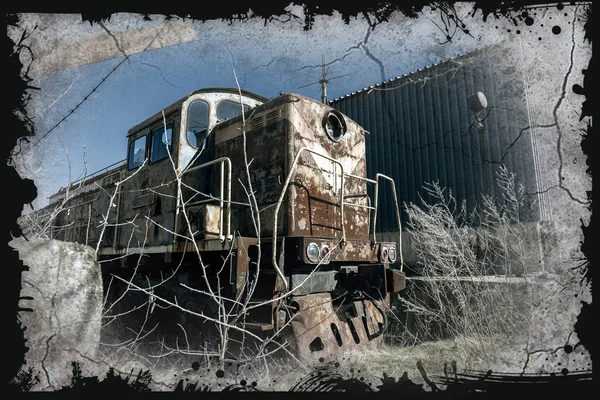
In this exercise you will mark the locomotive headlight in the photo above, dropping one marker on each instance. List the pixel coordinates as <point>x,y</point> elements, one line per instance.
<point>312,252</point>
<point>324,251</point>
<point>384,253</point>
<point>392,254</point>
<point>334,125</point>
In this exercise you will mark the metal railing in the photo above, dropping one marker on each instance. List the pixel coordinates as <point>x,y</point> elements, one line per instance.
<point>222,201</point>
<point>283,191</point>
<point>99,172</point>
<point>397,214</point>
<point>221,161</point>
<point>374,230</point>
<point>342,203</point>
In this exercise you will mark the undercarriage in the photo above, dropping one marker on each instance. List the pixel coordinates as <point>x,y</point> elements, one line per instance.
<point>226,299</point>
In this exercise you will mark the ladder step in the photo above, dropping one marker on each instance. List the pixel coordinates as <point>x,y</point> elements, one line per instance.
<point>263,326</point>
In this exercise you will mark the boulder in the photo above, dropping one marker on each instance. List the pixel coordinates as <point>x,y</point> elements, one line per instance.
<point>65,283</point>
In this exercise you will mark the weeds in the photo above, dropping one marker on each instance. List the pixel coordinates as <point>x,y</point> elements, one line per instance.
<point>462,286</point>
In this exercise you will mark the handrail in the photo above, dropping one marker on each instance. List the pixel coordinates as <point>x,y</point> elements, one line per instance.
<point>376,182</point>
<point>99,172</point>
<point>220,160</point>
<point>397,214</point>
<point>368,206</point>
<point>283,191</point>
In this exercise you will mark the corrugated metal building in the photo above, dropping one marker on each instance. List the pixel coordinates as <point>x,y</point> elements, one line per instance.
<point>422,130</point>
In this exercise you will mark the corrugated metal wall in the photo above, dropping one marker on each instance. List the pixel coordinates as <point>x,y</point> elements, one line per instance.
<point>422,130</point>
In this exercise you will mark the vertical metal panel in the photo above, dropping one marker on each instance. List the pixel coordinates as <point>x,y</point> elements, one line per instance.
<point>497,142</point>
<point>456,132</point>
<point>416,145</point>
<point>491,142</point>
<point>442,171</point>
<point>398,157</point>
<point>478,139</point>
<point>409,174</point>
<point>422,114</point>
<point>422,129</point>
<point>466,129</point>
<point>448,130</point>
<point>382,141</point>
<point>433,144</point>
<point>403,181</point>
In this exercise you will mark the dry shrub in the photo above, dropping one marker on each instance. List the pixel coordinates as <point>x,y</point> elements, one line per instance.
<point>463,286</point>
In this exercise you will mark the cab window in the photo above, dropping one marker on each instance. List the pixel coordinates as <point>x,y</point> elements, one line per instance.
<point>137,152</point>
<point>197,123</point>
<point>162,143</point>
<point>229,109</point>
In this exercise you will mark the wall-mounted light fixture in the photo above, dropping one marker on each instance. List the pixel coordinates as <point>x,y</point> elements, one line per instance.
<point>477,102</point>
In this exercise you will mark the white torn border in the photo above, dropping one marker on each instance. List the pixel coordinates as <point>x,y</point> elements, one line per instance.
<point>79,45</point>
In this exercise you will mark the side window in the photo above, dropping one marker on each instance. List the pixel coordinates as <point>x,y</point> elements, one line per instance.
<point>197,123</point>
<point>162,143</point>
<point>137,152</point>
<point>229,109</point>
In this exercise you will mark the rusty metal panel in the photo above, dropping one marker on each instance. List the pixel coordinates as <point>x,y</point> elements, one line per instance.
<point>204,220</point>
<point>319,281</point>
<point>315,195</point>
<point>396,280</point>
<point>83,212</point>
<point>319,331</point>
<point>264,133</point>
<point>242,259</point>
<point>353,250</point>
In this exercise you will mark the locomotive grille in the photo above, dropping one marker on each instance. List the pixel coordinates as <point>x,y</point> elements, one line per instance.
<point>270,184</point>
<point>256,125</point>
<point>263,123</point>
<point>264,186</point>
<point>272,119</point>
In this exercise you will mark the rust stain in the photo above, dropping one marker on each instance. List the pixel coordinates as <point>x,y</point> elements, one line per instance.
<point>320,332</point>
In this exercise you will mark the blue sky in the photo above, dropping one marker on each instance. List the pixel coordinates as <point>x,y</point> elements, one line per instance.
<point>267,59</point>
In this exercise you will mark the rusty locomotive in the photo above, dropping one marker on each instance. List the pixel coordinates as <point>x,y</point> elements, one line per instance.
<point>261,203</point>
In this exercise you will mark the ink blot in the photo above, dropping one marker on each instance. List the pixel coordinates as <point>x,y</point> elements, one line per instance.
<point>568,348</point>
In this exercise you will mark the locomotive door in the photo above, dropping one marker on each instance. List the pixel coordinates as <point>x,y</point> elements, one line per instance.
<point>148,196</point>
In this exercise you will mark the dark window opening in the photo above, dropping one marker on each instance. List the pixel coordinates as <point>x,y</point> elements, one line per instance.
<point>252,263</point>
<point>336,334</point>
<point>316,345</point>
<point>197,123</point>
<point>137,152</point>
<point>162,143</point>
<point>354,333</point>
<point>228,109</point>
<point>157,206</point>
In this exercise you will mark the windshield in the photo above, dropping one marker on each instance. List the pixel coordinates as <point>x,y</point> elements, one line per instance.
<point>228,109</point>
<point>197,123</point>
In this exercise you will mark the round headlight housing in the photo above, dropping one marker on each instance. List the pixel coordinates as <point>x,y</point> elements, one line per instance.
<point>384,253</point>
<point>392,254</point>
<point>334,125</point>
<point>312,252</point>
<point>324,252</point>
